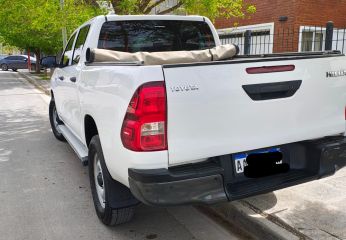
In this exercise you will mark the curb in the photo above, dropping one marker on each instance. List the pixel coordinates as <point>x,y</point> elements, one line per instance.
<point>250,219</point>
<point>34,82</point>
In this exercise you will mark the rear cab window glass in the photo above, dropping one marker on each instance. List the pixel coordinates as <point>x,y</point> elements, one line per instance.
<point>82,36</point>
<point>155,36</point>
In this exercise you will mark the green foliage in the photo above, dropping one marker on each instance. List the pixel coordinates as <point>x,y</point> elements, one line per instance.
<point>128,7</point>
<point>210,8</point>
<point>219,8</point>
<point>37,24</point>
<point>7,49</point>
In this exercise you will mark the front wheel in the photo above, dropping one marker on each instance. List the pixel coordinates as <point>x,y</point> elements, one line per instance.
<point>55,122</point>
<point>101,187</point>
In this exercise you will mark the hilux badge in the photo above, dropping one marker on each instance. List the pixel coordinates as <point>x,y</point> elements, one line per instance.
<point>184,88</point>
<point>340,73</point>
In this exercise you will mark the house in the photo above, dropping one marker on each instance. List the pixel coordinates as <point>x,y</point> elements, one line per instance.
<point>286,26</point>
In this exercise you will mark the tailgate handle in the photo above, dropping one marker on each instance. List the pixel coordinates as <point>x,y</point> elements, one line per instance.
<point>268,91</point>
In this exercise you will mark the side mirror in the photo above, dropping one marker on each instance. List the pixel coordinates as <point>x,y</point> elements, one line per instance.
<point>49,62</point>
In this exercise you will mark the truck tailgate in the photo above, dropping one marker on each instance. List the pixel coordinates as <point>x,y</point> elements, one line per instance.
<point>218,108</point>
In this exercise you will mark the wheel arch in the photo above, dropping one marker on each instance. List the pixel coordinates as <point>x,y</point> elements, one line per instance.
<point>120,196</point>
<point>90,128</point>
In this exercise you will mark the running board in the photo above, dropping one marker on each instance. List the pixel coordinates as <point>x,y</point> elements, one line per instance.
<point>77,146</point>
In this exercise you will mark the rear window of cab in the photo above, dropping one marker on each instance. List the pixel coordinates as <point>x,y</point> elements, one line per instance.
<point>155,36</point>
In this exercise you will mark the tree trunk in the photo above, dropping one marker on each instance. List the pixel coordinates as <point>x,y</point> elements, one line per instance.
<point>38,60</point>
<point>116,6</point>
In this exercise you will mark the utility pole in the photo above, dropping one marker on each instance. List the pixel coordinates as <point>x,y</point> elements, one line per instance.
<point>29,60</point>
<point>64,34</point>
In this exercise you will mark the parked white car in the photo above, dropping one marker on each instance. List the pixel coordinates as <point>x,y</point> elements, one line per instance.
<point>188,133</point>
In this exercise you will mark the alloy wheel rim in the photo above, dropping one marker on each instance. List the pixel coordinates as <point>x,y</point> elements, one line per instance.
<point>99,181</point>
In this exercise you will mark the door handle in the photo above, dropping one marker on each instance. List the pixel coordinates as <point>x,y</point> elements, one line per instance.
<point>73,79</point>
<point>61,78</point>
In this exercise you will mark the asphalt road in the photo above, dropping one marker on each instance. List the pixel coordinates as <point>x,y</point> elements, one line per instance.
<point>44,189</point>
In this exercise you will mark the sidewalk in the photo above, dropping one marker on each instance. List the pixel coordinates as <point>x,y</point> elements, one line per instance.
<point>43,85</point>
<point>316,210</point>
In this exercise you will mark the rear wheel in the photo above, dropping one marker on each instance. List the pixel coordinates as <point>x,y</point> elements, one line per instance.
<point>55,122</point>
<point>4,67</point>
<point>101,187</point>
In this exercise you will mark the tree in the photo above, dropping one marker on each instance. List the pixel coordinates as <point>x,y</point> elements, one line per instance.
<point>36,24</point>
<point>210,8</point>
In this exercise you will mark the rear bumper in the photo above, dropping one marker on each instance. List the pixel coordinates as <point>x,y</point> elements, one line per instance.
<point>216,181</point>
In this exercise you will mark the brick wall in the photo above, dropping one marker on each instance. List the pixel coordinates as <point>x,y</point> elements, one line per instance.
<point>267,11</point>
<point>318,12</point>
<point>299,13</point>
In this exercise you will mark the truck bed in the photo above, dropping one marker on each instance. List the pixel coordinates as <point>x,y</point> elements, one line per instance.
<point>236,59</point>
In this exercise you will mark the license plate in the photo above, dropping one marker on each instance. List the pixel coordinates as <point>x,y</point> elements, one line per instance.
<point>240,159</point>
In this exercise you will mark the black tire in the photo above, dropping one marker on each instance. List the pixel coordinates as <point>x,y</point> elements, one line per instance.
<point>54,119</point>
<point>109,216</point>
<point>14,69</point>
<point>4,67</point>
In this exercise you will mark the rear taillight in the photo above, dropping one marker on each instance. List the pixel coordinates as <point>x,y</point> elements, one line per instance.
<point>145,124</point>
<point>270,69</point>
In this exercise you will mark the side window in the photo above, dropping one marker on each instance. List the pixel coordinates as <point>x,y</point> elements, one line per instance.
<point>15,58</point>
<point>82,36</point>
<point>65,58</point>
<point>10,58</point>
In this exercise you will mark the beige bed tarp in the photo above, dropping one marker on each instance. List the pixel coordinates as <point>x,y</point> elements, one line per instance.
<point>222,52</point>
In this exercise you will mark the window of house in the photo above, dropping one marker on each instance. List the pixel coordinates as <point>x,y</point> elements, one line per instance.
<point>235,38</point>
<point>312,41</point>
<point>318,42</point>
<point>260,41</point>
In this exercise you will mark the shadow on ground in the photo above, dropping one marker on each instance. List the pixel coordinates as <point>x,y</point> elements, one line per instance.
<point>44,189</point>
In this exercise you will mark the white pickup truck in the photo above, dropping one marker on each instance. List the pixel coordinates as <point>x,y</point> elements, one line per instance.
<point>191,133</point>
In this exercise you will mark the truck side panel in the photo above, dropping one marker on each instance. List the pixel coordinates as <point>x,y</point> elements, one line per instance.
<point>105,95</point>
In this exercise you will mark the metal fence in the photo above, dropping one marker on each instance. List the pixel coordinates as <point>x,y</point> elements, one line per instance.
<point>302,39</point>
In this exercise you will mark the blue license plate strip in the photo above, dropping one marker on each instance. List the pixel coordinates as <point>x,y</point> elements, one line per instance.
<point>240,158</point>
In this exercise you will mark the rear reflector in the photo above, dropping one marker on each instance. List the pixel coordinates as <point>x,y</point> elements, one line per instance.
<point>270,69</point>
<point>145,124</point>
